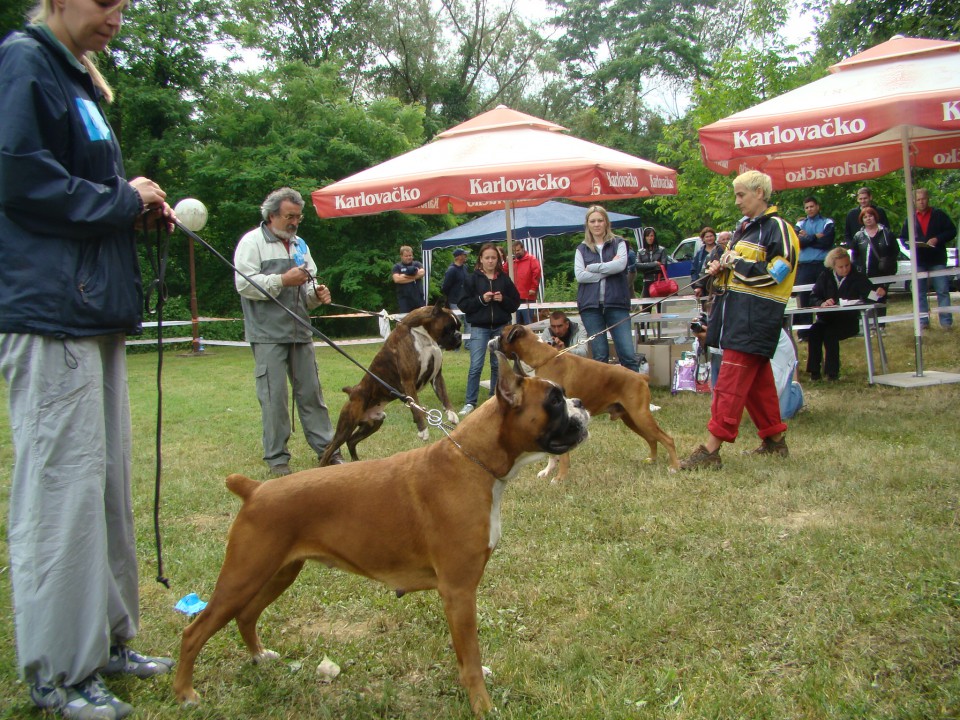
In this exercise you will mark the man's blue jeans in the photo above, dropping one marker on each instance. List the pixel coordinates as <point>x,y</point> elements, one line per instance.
<point>597,320</point>
<point>941,286</point>
<point>479,337</point>
<point>525,315</point>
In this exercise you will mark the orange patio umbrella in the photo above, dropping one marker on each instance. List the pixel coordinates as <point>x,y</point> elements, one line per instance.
<point>893,106</point>
<point>501,158</point>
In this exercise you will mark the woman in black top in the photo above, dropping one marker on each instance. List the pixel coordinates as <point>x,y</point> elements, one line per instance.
<point>649,259</point>
<point>489,299</point>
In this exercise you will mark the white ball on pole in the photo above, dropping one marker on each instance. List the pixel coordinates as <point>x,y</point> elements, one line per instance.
<point>192,213</point>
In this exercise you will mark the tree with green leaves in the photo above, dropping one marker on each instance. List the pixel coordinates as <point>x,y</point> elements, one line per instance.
<point>453,58</point>
<point>13,15</point>
<point>847,27</point>
<point>312,32</point>
<point>297,126</point>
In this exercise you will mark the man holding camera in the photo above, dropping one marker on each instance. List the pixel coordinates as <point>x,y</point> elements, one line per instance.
<point>565,335</point>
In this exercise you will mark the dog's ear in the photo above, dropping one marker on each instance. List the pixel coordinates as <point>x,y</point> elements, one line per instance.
<point>509,383</point>
<point>513,332</point>
<point>439,305</point>
<point>518,366</point>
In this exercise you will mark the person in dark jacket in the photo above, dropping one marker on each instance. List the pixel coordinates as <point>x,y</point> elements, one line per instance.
<point>708,238</point>
<point>603,296</point>
<point>489,299</point>
<point>935,229</point>
<point>816,235</point>
<point>754,280</point>
<point>840,281</point>
<point>454,278</point>
<point>874,251</point>
<point>649,260</point>
<point>70,291</point>
<point>852,222</point>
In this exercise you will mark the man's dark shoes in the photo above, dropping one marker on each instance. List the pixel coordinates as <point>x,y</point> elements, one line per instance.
<point>701,458</point>
<point>772,447</point>
<point>280,470</point>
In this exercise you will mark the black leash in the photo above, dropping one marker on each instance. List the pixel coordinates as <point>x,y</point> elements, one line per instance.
<point>396,394</point>
<point>647,309</point>
<point>157,253</point>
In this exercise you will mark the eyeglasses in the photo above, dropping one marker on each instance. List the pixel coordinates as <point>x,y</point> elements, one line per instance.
<point>291,218</point>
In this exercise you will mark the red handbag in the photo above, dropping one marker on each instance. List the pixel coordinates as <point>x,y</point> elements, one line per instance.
<point>664,286</point>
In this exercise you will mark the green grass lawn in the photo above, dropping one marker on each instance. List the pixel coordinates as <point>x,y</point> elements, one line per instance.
<point>826,585</point>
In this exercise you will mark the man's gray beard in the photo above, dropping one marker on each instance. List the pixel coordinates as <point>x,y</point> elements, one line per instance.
<point>284,234</point>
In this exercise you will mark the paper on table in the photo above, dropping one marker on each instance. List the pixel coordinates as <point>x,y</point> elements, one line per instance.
<point>844,303</point>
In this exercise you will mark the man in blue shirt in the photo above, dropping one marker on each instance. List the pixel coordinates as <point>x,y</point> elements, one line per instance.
<point>816,235</point>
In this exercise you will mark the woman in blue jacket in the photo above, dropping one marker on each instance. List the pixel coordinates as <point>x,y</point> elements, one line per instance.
<point>69,292</point>
<point>489,299</point>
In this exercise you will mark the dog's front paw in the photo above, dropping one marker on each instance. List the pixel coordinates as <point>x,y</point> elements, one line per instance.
<point>265,656</point>
<point>452,417</point>
<point>424,434</point>
<point>190,698</point>
<point>543,473</point>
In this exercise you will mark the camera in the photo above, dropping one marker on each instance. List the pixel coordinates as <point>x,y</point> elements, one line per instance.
<point>552,341</point>
<point>699,325</point>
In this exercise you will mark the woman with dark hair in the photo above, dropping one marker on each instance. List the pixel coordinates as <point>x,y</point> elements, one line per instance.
<point>489,299</point>
<point>649,259</point>
<point>874,251</point>
<point>708,237</point>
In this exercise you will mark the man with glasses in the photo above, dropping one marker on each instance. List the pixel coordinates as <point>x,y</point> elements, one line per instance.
<point>277,260</point>
<point>563,334</point>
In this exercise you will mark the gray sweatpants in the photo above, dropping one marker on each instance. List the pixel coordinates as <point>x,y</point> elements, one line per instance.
<point>273,364</point>
<point>71,540</point>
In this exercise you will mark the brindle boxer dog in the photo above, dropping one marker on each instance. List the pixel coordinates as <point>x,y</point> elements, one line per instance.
<point>422,519</point>
<point>411,357</point>
<point>612,389</point>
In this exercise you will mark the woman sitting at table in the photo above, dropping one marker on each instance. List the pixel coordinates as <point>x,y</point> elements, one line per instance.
<point>840,281</point>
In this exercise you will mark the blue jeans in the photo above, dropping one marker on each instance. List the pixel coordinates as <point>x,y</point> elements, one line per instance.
<point>597,320</point>
<point>941,286</point>
<point>525,315</point>
<point>479,337</point>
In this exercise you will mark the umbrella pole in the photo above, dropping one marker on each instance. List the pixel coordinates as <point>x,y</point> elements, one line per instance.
<point>509,249</point>
<point>912,244</point>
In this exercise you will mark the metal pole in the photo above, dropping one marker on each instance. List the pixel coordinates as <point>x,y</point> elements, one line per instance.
<point>194,314</point>
<point>912,244</point>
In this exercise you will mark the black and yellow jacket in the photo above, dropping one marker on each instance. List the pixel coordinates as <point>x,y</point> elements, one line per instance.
<point>748,313</point>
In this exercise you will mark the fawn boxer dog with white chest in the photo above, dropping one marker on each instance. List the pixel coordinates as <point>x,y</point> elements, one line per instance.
<point>602,389</point>
<point>422,519</point>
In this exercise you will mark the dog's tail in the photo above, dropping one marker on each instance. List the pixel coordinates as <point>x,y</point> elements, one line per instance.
<point>241,485</point>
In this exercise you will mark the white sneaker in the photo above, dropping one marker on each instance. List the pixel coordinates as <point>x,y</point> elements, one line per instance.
<point>466,410</point>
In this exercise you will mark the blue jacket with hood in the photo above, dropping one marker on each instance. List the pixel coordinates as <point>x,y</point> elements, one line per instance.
<point>68,259</point>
